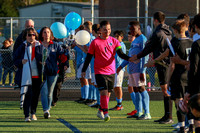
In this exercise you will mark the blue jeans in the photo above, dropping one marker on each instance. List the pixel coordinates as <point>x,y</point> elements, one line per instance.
<point>47,92</point>
<point>6,71</point>
<point>151,71</point>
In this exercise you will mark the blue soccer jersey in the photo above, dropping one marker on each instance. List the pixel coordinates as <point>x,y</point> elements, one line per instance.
<point>79,56</point>
<point>136,47</point>
<point>119,60</point>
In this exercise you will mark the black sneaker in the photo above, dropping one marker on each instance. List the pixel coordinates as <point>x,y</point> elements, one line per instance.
<point>161,119</point>
<point>95,105</point>
<point>81,99</point>
<point>92,102</point>
<point>167,121</point>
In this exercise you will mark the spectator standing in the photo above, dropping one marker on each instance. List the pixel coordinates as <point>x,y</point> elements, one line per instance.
<point>7,62</point>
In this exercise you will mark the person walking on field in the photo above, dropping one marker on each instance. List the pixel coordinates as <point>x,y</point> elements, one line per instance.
<point>104,48</point>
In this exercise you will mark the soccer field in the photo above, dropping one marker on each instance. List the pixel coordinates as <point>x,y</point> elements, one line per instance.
<point>69,116</point>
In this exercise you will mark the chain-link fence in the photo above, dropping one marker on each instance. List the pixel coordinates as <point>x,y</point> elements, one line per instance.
<point>11,27</point>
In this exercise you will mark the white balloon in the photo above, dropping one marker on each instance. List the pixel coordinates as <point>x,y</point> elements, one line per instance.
<point>82,37</point>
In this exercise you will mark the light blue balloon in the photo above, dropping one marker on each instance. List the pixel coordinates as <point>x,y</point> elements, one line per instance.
<point>59,30</point>
<point>72,20</point>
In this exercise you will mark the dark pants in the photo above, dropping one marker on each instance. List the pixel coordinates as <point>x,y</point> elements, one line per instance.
<point>27,101</point>
<point>36,87</point>
<point>56,92</point>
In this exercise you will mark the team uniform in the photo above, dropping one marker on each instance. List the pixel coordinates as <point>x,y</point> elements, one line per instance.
<point>119,77</point>
<point>80,58</point>
<point>134,77</point>
<point>178,81</point>
<point>104,67</point>
<point>194,73</point>
<point>104,63</point>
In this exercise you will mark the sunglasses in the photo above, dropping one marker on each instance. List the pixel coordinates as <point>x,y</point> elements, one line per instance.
<point>31,35</point>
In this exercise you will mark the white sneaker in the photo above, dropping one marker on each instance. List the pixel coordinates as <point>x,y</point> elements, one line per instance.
<point>27,119</point>
<point>46,114</point>
<point>33,117</point>
<point>100,115</point>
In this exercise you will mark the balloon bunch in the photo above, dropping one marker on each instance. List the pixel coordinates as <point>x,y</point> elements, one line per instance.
<point>67,30</point>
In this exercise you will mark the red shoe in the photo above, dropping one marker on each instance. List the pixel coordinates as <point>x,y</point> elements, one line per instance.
<point>117,108</point>
<point>132,113</point>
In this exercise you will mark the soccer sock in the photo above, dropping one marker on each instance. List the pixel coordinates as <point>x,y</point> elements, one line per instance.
<point>104,103</point>
<point>90,96</point>
<point>166,106</point>
<point>86,90</point>
<point>145,101</point>
<point>94,93</point>
<point>119,102</point>
<point>133,97</point>
<point>138,102</point>
<point>82,93</point>
<point>180,117</point>
<point>98,96</point>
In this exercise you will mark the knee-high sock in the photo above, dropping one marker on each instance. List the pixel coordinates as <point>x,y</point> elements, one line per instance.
<point>104,104</point>
<point>180,117</point>
<point>98,96</point>
<point>90,92</point>
<point>138,102</point>
<point>133,97</point>
<point>82,93</point>
<point>167,105</point>
<point>94,93</point>
<point>86,90</point>
<point>145,101</point>
<point>119,102</point>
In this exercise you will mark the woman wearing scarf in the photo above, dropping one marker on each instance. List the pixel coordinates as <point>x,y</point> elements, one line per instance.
<point>49,53</point>
<point>27,75</point>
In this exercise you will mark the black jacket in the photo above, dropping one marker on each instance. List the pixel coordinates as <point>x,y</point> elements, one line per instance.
<point>194,72</point>
<point>157,42</point>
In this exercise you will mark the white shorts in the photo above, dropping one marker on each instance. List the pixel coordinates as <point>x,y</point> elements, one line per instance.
<point>119,79</point>
<point>93,80</point>
<point>88,72</point>
<point>134,80</point>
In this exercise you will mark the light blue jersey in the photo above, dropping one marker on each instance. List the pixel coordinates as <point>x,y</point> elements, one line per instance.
<point>136,47</point>
<point>119,60</point>
<point>92,61</point>
<point>79,56</point>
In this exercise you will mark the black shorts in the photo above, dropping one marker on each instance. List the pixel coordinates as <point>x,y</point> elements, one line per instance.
<point>162,74</point>
<point>177,90</point>
<point>105,82</point>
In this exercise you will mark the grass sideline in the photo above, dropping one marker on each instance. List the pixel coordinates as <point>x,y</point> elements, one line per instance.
<point>82,117</point>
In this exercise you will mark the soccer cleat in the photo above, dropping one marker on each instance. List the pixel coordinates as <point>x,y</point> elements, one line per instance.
<point>107,118</point>
<point>46,114</point>
<point>92,102</point>
<point>167,121</point>
<point>100,115</point>
<point>135,115</point>
<point>96,105</point>
<point>144,117</point>
<point>117,108</point>
<point>161,119</point>
<point>33,117</point>
<point>27,119</point>
<point>81,99</point>
<point>132,113</point>
<point>174,125</point>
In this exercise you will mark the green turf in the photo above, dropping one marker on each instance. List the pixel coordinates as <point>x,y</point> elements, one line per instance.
<point>82,117</point>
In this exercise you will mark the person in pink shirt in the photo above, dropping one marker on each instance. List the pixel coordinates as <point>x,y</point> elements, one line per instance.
<point>104,48</point>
